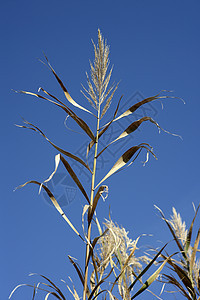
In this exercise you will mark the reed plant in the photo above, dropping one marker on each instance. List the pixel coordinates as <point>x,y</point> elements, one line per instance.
<point>183,269</point>
<point>111,266</point>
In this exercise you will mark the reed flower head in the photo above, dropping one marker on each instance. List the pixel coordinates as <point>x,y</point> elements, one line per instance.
<point>98,91</point>
<point>187,265</point>
<point>179,226</point>
<point>116,244</point>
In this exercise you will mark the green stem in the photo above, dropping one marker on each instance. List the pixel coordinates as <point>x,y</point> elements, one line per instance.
<point>91,203</point>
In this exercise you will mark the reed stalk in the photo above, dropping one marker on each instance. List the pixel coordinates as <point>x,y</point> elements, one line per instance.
<point>88,245</point>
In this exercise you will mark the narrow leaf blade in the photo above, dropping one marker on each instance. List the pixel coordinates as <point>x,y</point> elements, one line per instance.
<point>36,129</point>
<point>67,95</point>
<point>55,203</point>
<point>74,177</point>
<point>123,160</point>
<point>150,280</point>
<point>78,120</point>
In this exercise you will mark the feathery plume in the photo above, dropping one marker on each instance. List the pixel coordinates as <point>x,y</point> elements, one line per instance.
<point>98,91</point>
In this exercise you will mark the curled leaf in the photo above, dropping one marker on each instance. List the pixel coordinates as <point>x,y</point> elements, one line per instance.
<point>125,158</point>
<point>53,286</point>
<point>92,209</point>
<point>78,120</point>
<point>147,100</point>
<point>59,157</point>
<point>36,129</point>
<point>132,127</point>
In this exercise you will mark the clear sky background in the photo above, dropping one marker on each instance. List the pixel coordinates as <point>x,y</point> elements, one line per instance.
<point>154,45</point>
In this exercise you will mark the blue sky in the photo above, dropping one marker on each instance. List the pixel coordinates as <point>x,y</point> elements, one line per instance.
<point>154,46</point>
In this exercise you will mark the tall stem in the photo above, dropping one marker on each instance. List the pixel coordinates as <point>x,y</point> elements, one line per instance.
<point>91,203</point>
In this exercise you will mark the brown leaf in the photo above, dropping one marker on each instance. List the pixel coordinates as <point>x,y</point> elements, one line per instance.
<point>147,100</point>
<point>78,269</point>
<point>131,128</point>
<point>94,205</point>
<point>74,177</point>
<point>125,158</point>
<point>78,120</point>
<point>183,277</point>
<point>172,280</point>
<point>53,285</point>
<point>36,129</point>
<point>55,203</point>
<point>182,274</point>
<point>67,95</point>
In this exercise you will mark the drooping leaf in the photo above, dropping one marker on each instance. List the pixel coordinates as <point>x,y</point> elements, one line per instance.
<point>59,157</point>
<point>67,95</point>
<point>172,280</point>
<point>55,203</point>
<point>79,272</point>
<point>147,100</point>
<point>78,120</point>
<point>36,129</point>
<point>183,276</point>
<point>52,284</point>
<point>94,205</point>
<point>29,285</point>
<point>125,158</point>
<point>77,268</point>
<point>74,177</point>
<point>131,128</point>
<point>54,97</point>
